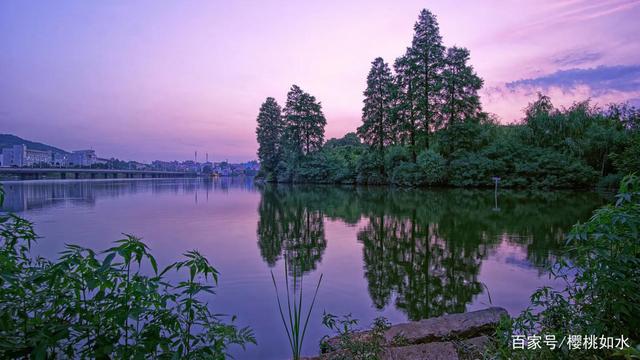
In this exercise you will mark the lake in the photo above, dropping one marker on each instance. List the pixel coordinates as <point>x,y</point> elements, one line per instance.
<point>402,254</point>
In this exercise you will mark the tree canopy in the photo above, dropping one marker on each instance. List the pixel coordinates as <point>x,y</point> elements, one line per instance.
<point>269,133</point>
<point>304,122</point>
<point>423,124</point>
<point>377,127</point>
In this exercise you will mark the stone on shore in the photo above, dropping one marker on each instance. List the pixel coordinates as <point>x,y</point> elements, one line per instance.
<point>464,325</point>
<point>448,337</point>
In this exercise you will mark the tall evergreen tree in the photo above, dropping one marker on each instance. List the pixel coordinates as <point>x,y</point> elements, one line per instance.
<point>404,105</point>
<point>291,116</point>
<point>461,85</point>
<point>269,133</point>
<point>304,122</point>
<point>427,55</point>
<point>377,129</point>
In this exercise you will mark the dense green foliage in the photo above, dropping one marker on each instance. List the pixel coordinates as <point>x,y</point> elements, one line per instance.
<point>112,304</point>
<point>602,295</point>
<point>422,125</point>
<point>377,125</point>
<point>303,123</point>
<point>585,146</point>
<point>287,140</point>
<point>426,58</point>
<point>269,133</point>
<point>461,85</point>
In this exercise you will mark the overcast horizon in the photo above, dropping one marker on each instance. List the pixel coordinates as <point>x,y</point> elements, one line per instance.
<point>160,80</point>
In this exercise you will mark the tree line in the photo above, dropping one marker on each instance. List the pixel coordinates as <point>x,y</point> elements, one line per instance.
<point>423,124</point>
<point>285,136</point>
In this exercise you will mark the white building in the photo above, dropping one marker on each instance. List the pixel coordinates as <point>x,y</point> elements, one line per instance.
<point>83,158</point>
<point>19,155</point>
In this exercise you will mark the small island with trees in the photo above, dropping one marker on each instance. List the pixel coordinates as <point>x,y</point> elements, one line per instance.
<point>423,125</point>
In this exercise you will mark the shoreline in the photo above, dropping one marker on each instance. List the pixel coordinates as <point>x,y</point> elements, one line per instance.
<point>456,336</point>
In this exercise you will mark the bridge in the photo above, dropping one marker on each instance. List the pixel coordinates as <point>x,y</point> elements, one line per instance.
<point>71,173</point>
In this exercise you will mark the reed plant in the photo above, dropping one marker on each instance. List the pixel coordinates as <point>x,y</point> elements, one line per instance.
<point>294,325</point>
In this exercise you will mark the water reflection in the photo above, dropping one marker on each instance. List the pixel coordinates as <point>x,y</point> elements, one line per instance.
<point>31,195</point>
<point>383,252</point>
<point>411,258</point>
<point>422,250</point>
<point>290,227</point>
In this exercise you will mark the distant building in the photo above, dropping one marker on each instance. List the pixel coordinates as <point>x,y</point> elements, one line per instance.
<point>83,158</point>
<point>19,155</point>
<point>60,159</point>
<point>252,165</point>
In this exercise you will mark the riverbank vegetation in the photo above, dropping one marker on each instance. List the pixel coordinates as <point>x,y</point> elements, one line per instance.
<point>423,125</point>
<point>601,300</point>
<point>111,304</point>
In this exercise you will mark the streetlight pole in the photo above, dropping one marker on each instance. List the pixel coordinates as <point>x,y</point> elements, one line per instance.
<point>496,180</point>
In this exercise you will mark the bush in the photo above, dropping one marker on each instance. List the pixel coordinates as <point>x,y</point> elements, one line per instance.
<point>609,182</point>
<point>336,163</point>
<point>342,162</point>
<point>406,174</point>
<point>602,295</point>
<point>429,169</point>
<point>350,343</point>
<point>472,169</point>
<point>286,169</point>
<point>545,168</point>
<point>520,166</point>
<point>369,168</point>
<point>465,136</point>
<point>313,168</point>
<point>628,161</point>
<point>432,168</point>
<point>394,156</point>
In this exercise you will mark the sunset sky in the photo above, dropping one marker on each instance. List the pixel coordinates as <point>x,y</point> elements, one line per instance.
<point>149,80</point>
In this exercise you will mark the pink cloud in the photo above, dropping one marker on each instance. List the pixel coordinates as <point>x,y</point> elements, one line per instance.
<point>510,103</point>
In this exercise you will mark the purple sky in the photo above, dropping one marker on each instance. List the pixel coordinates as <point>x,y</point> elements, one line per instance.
<point>151,80</point>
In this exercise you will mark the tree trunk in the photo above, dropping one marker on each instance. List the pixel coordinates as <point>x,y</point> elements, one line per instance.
<point>426,97</point>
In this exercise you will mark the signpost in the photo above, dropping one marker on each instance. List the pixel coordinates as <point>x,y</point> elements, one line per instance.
<point>496,180</point>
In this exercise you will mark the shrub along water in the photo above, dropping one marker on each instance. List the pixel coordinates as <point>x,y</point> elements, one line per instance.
<point>101,305</point>
<point>350,344</point>
<point>602,295</point>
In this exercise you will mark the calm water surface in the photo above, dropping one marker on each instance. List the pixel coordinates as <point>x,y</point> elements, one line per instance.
<point>402,254</point>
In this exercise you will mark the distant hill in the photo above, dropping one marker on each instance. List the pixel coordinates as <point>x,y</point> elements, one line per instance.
<point>8,140</point>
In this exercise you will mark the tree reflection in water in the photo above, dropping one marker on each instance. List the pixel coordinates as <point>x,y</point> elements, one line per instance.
<point>288,225</point>
<point>422,249</point>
